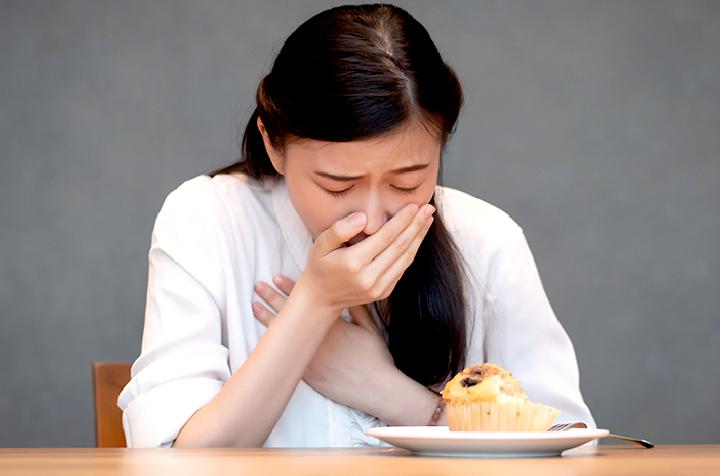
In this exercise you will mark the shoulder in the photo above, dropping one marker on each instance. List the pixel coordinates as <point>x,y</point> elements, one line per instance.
<point>485,234</point>
<point>469,218</point>
<point>206,212</point>
<point>221,199</point>
<point>207,224</point>
<point>204,191</point>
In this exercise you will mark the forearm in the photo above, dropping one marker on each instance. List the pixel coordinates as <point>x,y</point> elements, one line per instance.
<point>399,400</point>
<point>246,409</point>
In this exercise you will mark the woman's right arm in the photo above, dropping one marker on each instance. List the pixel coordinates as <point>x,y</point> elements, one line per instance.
<point>182,392</point>
<point>257,394</point>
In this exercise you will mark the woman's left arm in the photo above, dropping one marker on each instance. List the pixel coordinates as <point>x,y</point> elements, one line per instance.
<point>401,401</point>
<point>354,367</point>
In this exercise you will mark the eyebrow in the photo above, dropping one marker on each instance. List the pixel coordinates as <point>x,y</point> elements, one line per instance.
<point>347,178</point>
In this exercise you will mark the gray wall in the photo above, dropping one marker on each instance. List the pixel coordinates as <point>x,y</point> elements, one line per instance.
<point>596,125</point>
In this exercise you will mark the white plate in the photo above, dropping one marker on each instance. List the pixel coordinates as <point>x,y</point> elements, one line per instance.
<point>439,441</point>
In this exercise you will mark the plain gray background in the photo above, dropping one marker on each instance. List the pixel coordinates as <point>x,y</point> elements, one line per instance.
<point>595,124</point>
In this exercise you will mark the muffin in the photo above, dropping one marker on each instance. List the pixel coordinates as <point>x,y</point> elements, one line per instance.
<point>487,397</point>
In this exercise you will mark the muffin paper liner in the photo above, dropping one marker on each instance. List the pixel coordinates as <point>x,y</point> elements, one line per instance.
<point>487,416</point>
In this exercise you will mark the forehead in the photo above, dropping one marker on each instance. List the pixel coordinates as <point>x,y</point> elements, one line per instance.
<point>405,146</point>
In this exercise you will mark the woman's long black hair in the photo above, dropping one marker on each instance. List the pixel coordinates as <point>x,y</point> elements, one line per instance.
<point>355,72</point>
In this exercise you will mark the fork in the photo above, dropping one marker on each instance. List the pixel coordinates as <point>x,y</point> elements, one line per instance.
<point>579,424</point>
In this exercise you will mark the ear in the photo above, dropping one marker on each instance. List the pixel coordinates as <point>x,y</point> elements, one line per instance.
<point>276,158</point>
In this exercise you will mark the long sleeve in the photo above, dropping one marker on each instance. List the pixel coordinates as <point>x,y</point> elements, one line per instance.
<point>524,336</point>
<point>183,362</point>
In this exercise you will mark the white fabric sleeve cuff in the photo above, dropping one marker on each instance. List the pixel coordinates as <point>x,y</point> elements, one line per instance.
<point>155,418</point>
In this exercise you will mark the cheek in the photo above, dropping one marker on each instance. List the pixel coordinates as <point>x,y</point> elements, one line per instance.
<point>424,194</point>
<point>427,188</point>
<point>427,192</point>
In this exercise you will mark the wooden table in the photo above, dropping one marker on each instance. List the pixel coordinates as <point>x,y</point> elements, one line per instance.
<point>617,460</point>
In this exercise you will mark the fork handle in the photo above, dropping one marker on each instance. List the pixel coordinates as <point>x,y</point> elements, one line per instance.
<point>643,443</point>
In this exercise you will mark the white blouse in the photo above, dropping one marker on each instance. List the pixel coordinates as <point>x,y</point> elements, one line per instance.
<point>215,237</point>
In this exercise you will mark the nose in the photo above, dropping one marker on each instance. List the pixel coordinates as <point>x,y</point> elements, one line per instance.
<point>377,216</point>
<point>374,223</point>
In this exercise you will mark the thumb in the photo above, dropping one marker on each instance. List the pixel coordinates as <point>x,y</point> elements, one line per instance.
<point>340,232</point>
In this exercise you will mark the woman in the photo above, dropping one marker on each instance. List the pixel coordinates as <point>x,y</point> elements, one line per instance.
<point>326,282</point>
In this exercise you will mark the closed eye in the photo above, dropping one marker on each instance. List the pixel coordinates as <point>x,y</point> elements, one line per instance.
<point>340,193</point>
<point>405,190</point>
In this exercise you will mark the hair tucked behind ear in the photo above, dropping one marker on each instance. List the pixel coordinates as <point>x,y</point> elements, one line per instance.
<point>355,72</point>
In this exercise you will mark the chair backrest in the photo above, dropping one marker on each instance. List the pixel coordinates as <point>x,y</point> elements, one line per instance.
<point>109,378</point>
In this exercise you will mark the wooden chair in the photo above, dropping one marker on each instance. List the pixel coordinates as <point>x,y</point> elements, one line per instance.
<point>109,378</point>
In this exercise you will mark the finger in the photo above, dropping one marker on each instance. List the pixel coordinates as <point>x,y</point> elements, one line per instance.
<point>270,295</point>
<point>262,313</point>
<point>373,245</point>
<point>362,317</point>
<point>390,277</point>
<point>284,283</point>
<point>390,255</point>
<point>340,232</point>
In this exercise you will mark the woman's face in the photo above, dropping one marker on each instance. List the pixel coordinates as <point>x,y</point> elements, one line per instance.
<point>327,181</point>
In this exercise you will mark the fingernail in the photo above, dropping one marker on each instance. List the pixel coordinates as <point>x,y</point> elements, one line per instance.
<point>357,219</point>
<point>429,210</point>
<point>278,280</point>
<point>259,287</point>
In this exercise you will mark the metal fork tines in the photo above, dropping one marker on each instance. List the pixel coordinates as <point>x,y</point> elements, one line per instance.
<point>579,424</point>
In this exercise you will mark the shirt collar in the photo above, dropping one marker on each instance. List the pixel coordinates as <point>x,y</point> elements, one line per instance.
<point>296,235</point>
